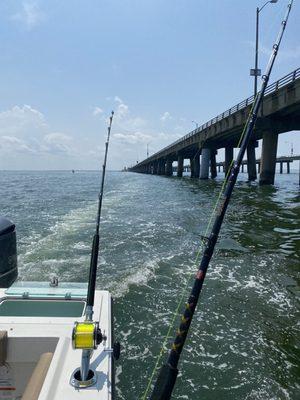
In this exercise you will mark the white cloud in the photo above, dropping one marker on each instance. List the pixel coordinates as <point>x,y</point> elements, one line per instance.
<point>30,15</point>
<point>97,111</point>
<point>27,139</point>
<point>132,138</point>
<point>166,116</point>
<point>122,111</point>
<point>167,136</point>
<point>19,120</point>
<point>57,136</point>
<point>118,99</point>
<point>285,54</point>
<point>10,144</point>
<point>123,118</point>
<point>24,129</point>
<point>292,53</point>
<point>58,143</point>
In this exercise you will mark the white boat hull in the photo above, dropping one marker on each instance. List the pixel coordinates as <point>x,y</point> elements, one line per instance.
<point>30,336</point>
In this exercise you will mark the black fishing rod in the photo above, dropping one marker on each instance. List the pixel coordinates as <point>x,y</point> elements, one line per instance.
<point>168,373</point>
<point>87,335</point>
<point>95,248</point>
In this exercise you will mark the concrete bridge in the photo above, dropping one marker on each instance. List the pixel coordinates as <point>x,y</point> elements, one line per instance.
<point>279,113</point>
<point>280,160</point>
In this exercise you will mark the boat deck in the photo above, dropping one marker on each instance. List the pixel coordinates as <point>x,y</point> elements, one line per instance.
<point>40,320</point>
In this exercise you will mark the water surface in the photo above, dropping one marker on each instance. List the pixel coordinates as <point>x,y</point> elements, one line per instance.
<point>244,341</point>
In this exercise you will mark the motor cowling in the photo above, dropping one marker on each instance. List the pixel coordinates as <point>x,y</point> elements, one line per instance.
<point>8,253</point>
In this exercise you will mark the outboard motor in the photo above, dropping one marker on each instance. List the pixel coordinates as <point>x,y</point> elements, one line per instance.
<point>8,253</point>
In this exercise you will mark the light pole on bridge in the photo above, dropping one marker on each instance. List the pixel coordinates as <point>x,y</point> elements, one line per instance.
<point>257,72</point>
<point>292,147</point>
<point>196,123</point>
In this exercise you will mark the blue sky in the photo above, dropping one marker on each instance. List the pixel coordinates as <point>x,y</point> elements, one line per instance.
<point>160,64</point>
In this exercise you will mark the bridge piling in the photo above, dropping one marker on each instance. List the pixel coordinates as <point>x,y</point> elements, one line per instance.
<point>205,157</point>
<point>192,167</point>
<point>251,162</point>
<point>213,164</point>
<point>197,165</point>
<point>161,167</point>
<point>281,105</point>
<point>180,165</point>
<point>268,158</point>
<point>228,157</point>
<point>169,169</point>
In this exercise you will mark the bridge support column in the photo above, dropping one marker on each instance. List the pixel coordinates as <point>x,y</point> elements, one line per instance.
<point>155,167</point>
<point>242,168</point>
<point>180,166</point>
<point>169,168</point>
<point>288,167</point>
<point>161,167</point>
<point>281,167</point>
<point>219,168</point>
<point>268,158</point>
<point>213,164</point>
<point>228,158</point>
<point>204,170</point>
<point>251,162</point>
<point>192,167</point>
<point>196,165</point>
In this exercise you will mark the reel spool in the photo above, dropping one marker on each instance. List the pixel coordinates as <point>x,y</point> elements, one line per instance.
<point>86,335</point>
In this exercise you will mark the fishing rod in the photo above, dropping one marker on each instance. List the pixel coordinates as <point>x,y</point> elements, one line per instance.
<point>167,376</point>
<point>95,248</point>
<point>87,335</point>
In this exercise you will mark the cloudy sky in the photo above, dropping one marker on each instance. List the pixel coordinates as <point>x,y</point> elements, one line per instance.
<point>159,64</point>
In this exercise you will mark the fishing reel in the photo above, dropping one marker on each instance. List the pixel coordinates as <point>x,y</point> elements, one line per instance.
<point>87,335</point>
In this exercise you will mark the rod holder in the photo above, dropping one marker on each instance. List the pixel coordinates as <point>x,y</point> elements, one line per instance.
<point>85,336</point>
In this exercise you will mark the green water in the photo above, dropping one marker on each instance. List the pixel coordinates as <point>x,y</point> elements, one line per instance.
<point>244,341</point>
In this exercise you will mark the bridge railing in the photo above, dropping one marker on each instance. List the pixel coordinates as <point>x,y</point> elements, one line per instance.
<point>270,89</point>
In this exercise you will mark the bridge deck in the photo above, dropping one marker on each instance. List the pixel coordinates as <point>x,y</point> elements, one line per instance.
<point>280,112</point>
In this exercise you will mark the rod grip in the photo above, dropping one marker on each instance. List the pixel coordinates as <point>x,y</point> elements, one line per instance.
<point>93,271</point>
<point>165,383</point>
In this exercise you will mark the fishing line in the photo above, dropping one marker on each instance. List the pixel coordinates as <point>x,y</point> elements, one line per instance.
<point>168,373</point>
<point>200,249</point>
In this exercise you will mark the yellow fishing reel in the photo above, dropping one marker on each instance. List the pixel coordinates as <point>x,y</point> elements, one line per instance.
<point>86,335</point>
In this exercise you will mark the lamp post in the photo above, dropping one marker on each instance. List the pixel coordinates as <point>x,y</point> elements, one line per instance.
<point>292,147</point>
<point>257,72</point>
<point>196,123</point>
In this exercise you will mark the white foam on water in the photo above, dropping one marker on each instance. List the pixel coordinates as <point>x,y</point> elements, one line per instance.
<point>81,246</point>
<point>74,220</point>
<point>139,277</point>
<point>72,223</point>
